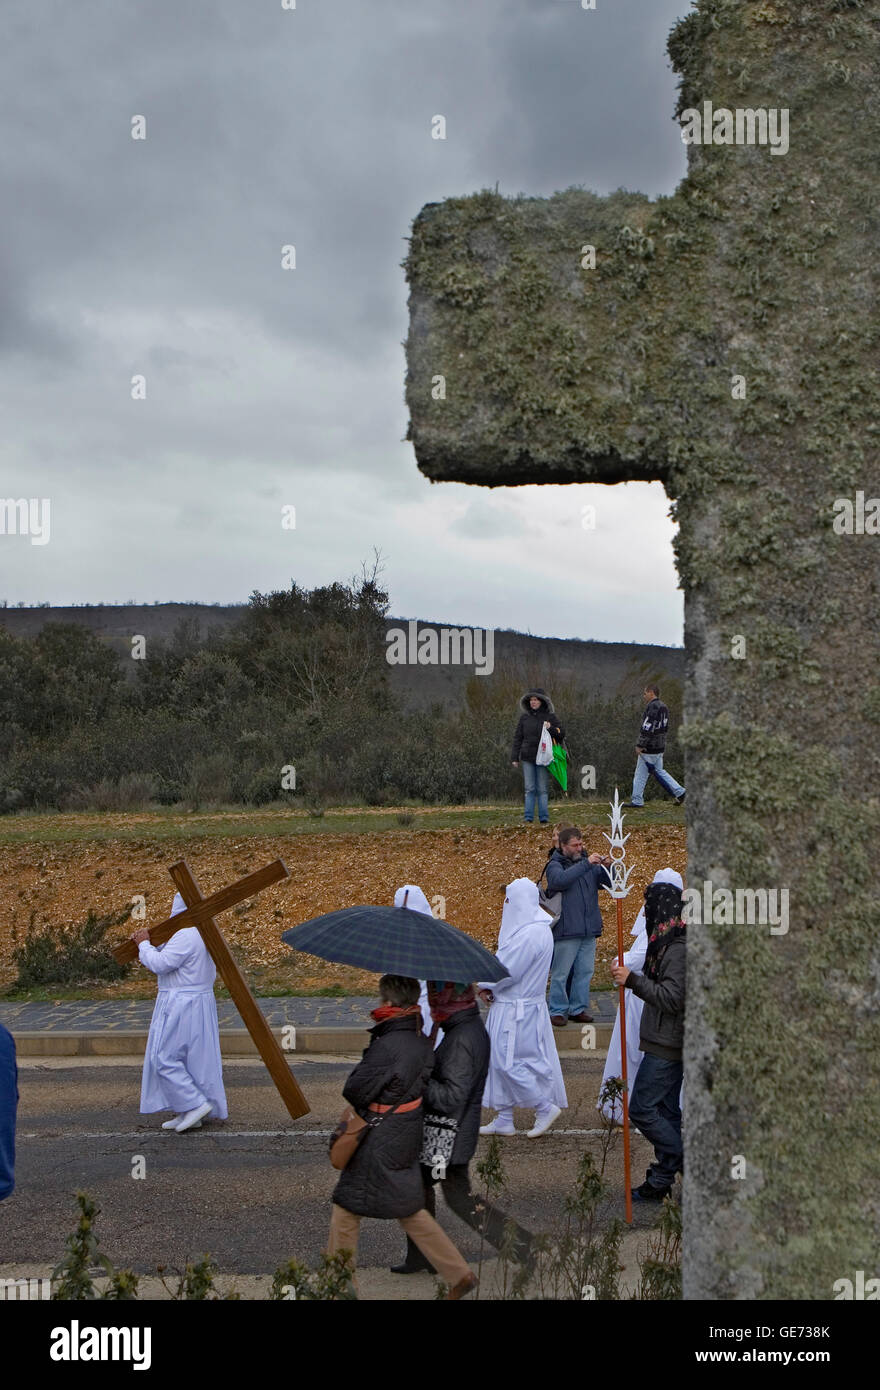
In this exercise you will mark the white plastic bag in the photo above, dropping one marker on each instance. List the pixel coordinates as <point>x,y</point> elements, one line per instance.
<point>544,755</point>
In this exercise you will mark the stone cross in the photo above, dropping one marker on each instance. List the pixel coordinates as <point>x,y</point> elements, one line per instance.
<point>725,341</point>
<point>200,912</point>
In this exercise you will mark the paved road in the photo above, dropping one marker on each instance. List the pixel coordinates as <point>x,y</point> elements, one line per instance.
<point>253,1191</point>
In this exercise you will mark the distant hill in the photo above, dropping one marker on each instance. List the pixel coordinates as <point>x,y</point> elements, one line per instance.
<point>607,668</point>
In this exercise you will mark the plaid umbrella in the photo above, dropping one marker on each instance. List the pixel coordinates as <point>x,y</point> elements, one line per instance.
<point>397,941</point>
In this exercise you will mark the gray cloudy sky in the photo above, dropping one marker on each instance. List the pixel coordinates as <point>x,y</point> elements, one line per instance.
<point>268,387</point>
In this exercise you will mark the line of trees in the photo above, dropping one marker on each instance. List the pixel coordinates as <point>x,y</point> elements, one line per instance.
<point>301,681</point>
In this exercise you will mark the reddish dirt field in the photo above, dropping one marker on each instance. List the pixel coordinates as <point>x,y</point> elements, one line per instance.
<point>56,885</point>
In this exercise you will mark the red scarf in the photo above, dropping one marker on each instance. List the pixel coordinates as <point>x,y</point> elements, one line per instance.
<point>386,1011</point>
<point>447,998</point>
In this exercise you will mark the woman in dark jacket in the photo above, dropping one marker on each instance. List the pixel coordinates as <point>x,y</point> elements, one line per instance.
<point>8,1105</point>
<point>537,712</point>
<point>654,1102</point>
<point>455,1090</point>
<point>383,1177</point>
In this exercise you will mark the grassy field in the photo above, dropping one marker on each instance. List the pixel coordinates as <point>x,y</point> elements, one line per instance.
<point>55,869</point>
<point>171,823</point>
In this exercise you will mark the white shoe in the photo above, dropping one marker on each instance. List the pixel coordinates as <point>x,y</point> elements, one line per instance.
<point>193,1118</point>
<point>494,1128</point>
<point>543,1122</point>
<point>172,1124</point>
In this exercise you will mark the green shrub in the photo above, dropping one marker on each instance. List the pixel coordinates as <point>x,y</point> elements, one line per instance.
<point>301,679</point>
<point>72,1279</point>
<point>332,1281</point>
<point>661,1265</point>
<point>265,786</point>
<point>131,792</point>
<point>58,956</point>
<point>196,1283</point>
<point>210,782</point>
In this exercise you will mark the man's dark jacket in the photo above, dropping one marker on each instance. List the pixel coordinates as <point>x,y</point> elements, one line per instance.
<point>579,882</point>
<point>455,1088</point>
<point>383,1178</point>
<point>8,1103</point>
<point>527,738</point>
<point>655,723</point>
<point>662,1029</point>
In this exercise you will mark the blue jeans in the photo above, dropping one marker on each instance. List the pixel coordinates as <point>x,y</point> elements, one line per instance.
<point>575,955</point>
<point>654,1109</point>
<point>652,764</point>
<point>536,779</point>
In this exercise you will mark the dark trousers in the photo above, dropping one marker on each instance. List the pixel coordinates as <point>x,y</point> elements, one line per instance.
<point>489,1221</point>
<point>654,1109</point>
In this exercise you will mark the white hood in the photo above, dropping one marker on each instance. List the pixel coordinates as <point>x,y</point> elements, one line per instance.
<point>521,909</point>
<point>415,899</point>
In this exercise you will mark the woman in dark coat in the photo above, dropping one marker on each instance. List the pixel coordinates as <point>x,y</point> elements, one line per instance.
<point>383,1177</point>
<point>537,712</point>
<point>455,1090</point>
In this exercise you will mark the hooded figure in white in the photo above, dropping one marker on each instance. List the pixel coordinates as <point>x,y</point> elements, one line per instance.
<point>524,1069</point>
<point>413,898</point>
<point>634,959</point>
<point>182,1067</point>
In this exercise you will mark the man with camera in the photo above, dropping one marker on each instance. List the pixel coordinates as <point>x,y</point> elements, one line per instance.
<point>578,876</point>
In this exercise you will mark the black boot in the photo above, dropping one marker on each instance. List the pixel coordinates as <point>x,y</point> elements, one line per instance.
<point>415,1262</point>
<point>421,1268</point>
<point>647,1193</point>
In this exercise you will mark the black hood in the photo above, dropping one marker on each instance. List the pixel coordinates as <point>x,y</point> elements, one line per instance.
<point>663,901</point>
<point>540,695</point>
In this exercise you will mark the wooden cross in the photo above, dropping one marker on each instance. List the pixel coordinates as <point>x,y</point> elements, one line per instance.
<point>200,912</point>
<point>724,341</point>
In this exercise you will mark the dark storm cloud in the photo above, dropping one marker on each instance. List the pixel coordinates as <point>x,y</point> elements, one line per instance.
<point>265,386</point>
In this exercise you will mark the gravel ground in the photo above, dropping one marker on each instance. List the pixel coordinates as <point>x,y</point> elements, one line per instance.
<point>56,885</point>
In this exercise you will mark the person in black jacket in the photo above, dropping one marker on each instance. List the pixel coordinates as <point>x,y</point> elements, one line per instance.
<point>537,715</point>
<point>383,1177</point>
<point>8,1104</point>
<point>455,1090</point>
<point>650,748</point>
<point>578,876</point>
<point>654,1106</point>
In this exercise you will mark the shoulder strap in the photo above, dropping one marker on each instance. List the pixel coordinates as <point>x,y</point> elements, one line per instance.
<point>377,1119</point>
<point>543,872</point>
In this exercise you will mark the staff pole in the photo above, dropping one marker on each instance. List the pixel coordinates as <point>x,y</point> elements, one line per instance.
<point>619,889</point>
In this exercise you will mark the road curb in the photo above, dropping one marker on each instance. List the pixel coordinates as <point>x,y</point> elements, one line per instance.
<point>237,1042</point>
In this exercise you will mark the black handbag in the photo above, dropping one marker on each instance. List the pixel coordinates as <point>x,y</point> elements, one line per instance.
<point>438,1140</point>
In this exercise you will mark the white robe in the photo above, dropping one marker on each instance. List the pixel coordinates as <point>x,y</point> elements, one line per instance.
<point>634,958</point>
<point>524,1068</point>
<point>182,1066</point>
<point>417,902</point>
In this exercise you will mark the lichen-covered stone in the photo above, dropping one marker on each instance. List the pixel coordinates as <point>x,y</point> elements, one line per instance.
<point>763,267</point>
